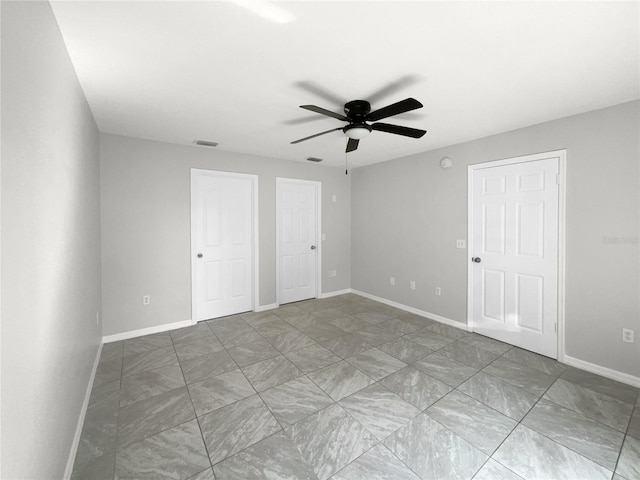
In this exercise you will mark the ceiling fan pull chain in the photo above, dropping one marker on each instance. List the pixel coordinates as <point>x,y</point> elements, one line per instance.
<point>346,166</point>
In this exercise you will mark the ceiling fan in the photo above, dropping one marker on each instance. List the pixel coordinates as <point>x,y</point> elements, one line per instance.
<point>358,113</point>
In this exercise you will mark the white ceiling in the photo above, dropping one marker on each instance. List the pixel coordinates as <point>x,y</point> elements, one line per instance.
<point>176,71</point>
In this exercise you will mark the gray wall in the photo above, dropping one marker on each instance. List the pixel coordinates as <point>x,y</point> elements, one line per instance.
<point>408,213</point>
<point>50,244</point>
<point>145,190</point>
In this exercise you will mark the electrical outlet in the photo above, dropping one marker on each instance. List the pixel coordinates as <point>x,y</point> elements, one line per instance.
<point>392,280</point>
<point>438,291</point>
<point>627,335</point>
<point>461,244</point>
<point>146,299</point>
<point>332,273</point>
<point>412,285</point>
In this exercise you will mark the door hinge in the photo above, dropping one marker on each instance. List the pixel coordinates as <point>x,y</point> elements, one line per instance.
<point>558,179</point>
<point>555,327</point>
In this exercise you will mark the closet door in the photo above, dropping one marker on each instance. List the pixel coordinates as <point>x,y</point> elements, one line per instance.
<point>222,243</point>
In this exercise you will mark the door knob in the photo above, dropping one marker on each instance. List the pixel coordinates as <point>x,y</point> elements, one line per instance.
<point>313,247</point>
<point>199,255</point>
<point>476,259</point>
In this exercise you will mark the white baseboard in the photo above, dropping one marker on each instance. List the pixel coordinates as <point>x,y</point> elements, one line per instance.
<point>334,293</point>
<point>83,412</point>
<point>604,371</point>
<point>422,313</point>
<point>146,331</point>
<point>263,308</point>
<point>574,362</point>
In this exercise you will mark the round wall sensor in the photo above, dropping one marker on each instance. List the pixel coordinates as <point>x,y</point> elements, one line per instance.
<point>446,162</point>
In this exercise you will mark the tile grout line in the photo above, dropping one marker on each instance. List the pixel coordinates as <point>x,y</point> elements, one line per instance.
<point>256,393</point>
<point>193,407</point>
<point>549,438</point>
<point>626,434</point>
<point>355,311</point>
<point>519,422</point>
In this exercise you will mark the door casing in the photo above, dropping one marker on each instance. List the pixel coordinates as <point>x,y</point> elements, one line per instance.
<point>561,155</point>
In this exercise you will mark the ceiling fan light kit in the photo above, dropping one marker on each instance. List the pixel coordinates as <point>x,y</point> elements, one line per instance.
<point>358,112</point>
<point>357,131</point>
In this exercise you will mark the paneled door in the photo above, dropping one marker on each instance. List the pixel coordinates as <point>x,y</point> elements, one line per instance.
<point>222,243</point>
<point>513,237</point>
<point>298,250</point>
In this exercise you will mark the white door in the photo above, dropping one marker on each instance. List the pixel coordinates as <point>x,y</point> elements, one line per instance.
<point>514,252</point>
<point>222,238</point>
<point>297,239</point>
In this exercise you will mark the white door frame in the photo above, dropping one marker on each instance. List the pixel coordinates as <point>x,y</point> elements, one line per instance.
<point>318,188</point>
<point>255,244</point>
<point>561,155</point>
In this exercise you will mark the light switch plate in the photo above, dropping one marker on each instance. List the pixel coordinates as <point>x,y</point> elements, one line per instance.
<point>461,244</point>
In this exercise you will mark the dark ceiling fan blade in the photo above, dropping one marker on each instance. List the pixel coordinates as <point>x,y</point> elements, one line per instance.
<point>352,145</point>
<point>309,119</point>
<point>392,88</point>
<point>324,111</point>
<point>316,135</point>
<point>398,130</point>
<point>320,92</point>
<point>394,109</point>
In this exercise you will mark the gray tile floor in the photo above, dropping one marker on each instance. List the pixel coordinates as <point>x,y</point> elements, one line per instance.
<point>348,388</point>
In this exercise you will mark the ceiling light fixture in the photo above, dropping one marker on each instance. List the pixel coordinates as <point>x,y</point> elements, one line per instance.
<point>314,159</point>
<point>357,130</point>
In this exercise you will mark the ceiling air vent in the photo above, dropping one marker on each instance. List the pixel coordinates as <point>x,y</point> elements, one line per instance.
<point>314,159</point>
<point>205,143</point>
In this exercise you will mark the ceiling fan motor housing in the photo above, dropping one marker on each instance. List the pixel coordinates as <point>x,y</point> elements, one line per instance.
<point>356,110</point>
